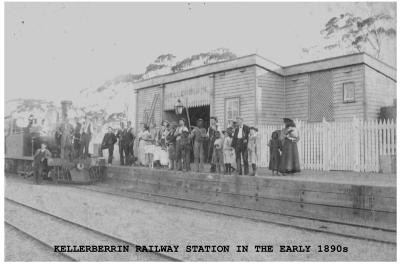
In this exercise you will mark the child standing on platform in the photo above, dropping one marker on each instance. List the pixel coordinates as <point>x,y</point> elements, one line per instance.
<point>218,155</point>
<point>229,152</point>
<point>275,148</point>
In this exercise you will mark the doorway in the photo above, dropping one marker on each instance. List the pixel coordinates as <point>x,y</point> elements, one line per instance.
<point>195,113</point>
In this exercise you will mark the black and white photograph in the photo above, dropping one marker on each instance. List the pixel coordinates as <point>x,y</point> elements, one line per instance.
<point>200,131</point>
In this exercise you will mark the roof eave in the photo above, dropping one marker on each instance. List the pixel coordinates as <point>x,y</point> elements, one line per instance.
<point>209,69</point>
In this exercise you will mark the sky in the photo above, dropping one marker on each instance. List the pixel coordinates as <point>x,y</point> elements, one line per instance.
<point>54,50</point>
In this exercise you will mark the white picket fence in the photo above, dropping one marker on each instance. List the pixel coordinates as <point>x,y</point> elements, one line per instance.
<point>354,145</point>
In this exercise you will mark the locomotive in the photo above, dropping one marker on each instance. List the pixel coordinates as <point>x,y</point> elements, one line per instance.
<point>22,142</point>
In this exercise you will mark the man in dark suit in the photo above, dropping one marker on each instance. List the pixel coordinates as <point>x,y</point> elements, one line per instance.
<point>108,143</point>
<point>130,139</point>
<point>123,144</point>
<point>40,162</point>
<point>86,137</point>
<point>77,138</point>
<point>239,142</point>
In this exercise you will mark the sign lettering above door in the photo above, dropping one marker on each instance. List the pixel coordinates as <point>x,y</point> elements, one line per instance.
<point>196,91</point>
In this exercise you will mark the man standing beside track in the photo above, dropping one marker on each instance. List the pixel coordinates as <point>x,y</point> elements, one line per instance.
<point>40,162</point>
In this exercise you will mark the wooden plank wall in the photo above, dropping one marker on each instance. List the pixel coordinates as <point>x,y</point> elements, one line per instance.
<point>380,91</point>
<point>297,97</point>
<point>297,94</point>
<point>236,83</point>
<point>346,111</point>
<point>270,100</point>
<point>343,203</point>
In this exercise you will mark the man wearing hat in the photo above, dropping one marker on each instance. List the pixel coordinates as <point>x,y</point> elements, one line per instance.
<point>40,161</point>
<point>181,143</point>
<point>86,137</point>
<point>77,138</point>
<point>198,134</point>
<point>123,144</point>
<point>66,131</point>
<point>108,142</point>
<point>239,142</point>
<point>130,139</point>
<point>171,144</point>
<point>211,134</point>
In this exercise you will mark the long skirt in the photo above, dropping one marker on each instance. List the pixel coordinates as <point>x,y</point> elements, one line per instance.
<point>274,159</point>
<point>157,153</point>
<point>289,162</point>
<point>150,149</point>
<point>161,155</point>
<point>172,151</point>
<point>229,156</point>
<point>141,153</point>
<point>252,156</point>
<point>164,159</point>
<point>136,147</point>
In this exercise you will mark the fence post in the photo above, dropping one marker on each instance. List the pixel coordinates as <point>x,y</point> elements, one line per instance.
<point>326,146</point>
<point>356,144</point>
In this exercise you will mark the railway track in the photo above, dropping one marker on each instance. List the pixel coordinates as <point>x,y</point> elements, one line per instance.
<point>59,231</point>
<point>346,230</point>
<point>355,231</point>
<point>48,247</point>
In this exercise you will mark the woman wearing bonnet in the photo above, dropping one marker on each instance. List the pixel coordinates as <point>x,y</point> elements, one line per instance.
<point>289,162</point>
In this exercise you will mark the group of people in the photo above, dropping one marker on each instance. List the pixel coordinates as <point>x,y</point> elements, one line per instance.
<point>125,137</point>
<point>173,144</point>
<point>74,140</point>
<point>284,155</point>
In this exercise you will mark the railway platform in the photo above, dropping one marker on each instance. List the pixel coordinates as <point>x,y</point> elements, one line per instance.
<point>106,213</point>
<point>347,198</point>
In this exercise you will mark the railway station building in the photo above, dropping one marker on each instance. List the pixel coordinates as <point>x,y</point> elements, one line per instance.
<point>263,92</point>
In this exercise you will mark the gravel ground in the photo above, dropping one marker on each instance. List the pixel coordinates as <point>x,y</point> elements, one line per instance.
<point>156,224</point>
<point>20,247</point>
<point>34,223</point>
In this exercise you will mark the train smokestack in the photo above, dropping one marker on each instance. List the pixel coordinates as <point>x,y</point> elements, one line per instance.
<point>65,107</point>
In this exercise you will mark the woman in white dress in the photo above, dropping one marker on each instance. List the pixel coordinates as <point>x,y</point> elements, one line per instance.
<point>162,153</point>
<point>149,137</point>
<point>144,134</point>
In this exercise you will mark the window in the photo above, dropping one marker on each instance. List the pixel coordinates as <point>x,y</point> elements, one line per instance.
<point>231,110</point>
<point>349,92</point>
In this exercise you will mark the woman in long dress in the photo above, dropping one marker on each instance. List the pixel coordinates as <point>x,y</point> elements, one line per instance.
<point>143,136</point>
<point>149,137</point>
<point>289,162</point>
<point>160,149</point>
<point>164,159</point>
